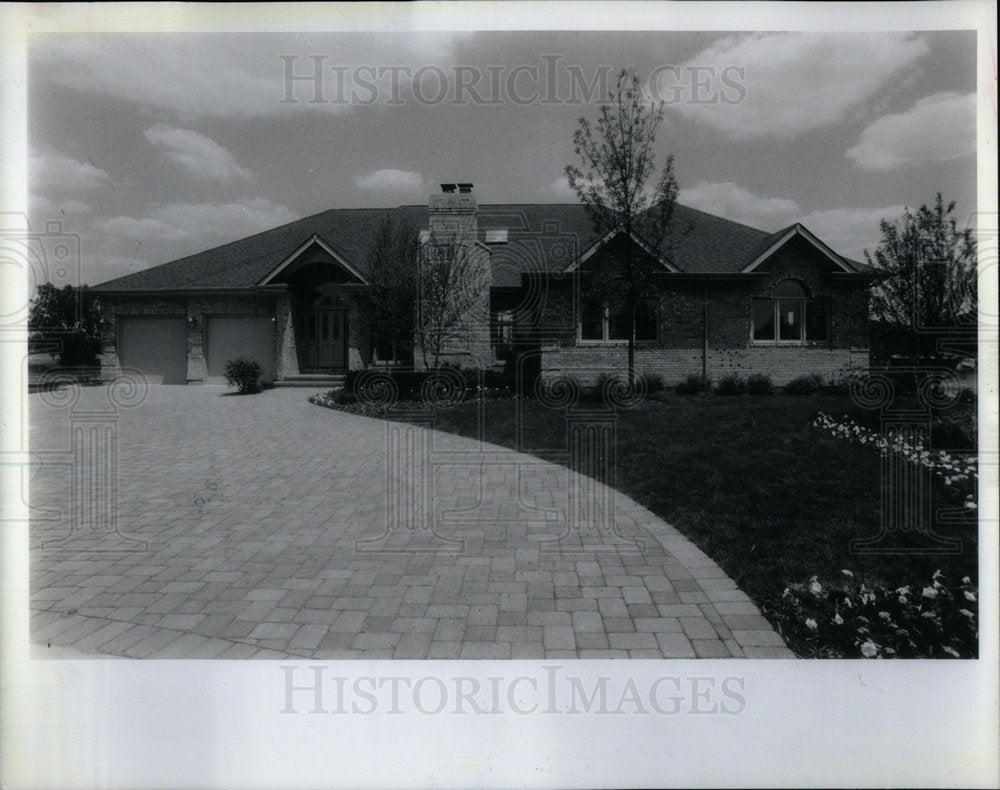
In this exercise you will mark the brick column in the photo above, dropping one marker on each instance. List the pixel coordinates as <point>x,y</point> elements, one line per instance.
<point>196,371</point>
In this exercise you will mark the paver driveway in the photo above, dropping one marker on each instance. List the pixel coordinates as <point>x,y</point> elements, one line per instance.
<point>266,523</point>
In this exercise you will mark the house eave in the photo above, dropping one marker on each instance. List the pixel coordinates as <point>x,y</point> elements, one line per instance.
<point>254,290</point>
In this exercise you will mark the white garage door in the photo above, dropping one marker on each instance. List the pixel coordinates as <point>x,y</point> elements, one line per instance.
<point>247,336</point>
<point>155,345</point>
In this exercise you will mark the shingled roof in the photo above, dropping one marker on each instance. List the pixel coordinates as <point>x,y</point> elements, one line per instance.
<point>540,238</point>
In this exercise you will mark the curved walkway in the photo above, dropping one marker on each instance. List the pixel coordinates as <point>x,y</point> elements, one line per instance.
<point>267,527</point>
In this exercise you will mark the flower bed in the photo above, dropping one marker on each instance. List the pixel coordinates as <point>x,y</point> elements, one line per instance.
<point>851,619</point>
<point>960,474</point>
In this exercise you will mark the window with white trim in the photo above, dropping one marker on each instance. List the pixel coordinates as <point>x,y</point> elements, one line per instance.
<point>603,322</point>
<point>790,317</point>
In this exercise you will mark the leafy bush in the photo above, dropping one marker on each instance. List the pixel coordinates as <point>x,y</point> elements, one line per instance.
<point>851,619</point>
<point>804,385</point>
<point>760,384</point>
<point>244,374</point>
<point>654,384</point>
<point>694,384</point>
<point>731,384</point>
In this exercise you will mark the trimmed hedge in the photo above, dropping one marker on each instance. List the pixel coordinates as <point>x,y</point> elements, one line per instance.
<point>804,385</point>
<point>694,384</point>
<point>731,384</point>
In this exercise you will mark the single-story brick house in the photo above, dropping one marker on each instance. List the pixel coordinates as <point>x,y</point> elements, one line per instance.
<point>731,298</point>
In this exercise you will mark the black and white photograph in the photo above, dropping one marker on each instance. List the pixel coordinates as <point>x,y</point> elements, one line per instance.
<point>569,395</point>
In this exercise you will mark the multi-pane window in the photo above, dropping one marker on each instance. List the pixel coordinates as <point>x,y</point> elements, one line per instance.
<point>502,328</point>
<point>611,323</point>
<point>790,316</point>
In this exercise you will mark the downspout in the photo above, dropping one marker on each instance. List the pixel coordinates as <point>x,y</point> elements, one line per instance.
<point>704,324</point>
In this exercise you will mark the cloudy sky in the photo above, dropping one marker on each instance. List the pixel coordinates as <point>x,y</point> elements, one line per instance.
<point>151,147</point>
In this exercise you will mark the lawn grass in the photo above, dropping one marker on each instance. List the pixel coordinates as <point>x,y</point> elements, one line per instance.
<point>770,498</point>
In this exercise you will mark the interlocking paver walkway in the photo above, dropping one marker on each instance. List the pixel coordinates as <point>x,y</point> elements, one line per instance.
<point>267,527</point>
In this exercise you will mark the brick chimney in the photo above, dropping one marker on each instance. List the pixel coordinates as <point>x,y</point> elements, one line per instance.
<point>452,214</point>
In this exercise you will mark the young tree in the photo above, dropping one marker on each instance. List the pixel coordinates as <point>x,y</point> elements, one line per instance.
<point>451,285</point>
<point>69,317</point>
<point>389,303</point>
<point>927,277</point>
<point>618,185</point>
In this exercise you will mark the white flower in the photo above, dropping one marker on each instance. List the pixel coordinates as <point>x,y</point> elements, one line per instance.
<point>929,592</point>
<point>811,624</point>
<point>903,599</point>
<point>869,649</point>
<point>884,615</point>
<point>969,596</point>
<point>950,651</point>
<point>838,619</point>
<point>815,587</point>
<point>847,573</point>
<point>966,612</point>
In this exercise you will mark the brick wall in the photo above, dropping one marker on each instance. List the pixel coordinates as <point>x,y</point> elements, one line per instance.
<point>678,350</point>
<point>673,365</point>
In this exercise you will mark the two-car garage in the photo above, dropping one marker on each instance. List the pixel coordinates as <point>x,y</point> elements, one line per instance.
<point>158,345</point>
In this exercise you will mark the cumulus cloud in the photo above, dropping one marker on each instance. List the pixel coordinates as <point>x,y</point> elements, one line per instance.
<point>849,231</point>
<point>935,129</point>
<point>40,205</point>
<point>196,153</point>
<point>210,223</point>
<point>226,76</point>
<point>62,174</point>
<point>740,205</point>
<point>561,188</point>
<point>395,181</point>
<point>784,84</point>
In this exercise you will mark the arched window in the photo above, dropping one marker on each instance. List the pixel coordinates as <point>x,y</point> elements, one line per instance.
<point>790,316</point>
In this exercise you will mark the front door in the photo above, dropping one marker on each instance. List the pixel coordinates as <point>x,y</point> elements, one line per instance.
<point>325,329</point>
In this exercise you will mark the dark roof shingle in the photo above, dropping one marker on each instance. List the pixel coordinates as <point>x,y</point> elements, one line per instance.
<point>540,237</point>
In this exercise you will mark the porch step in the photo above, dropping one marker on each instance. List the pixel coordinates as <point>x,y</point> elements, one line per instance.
<point>315,380</point>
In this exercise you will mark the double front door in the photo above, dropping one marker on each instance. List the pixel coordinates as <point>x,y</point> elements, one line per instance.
<point>325,337</point>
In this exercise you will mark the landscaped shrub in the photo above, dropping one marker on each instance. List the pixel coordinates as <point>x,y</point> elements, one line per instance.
<point>760,384</point>
<point>848,618</point>
<point>244,374</point>
<point>654,384</point>
<point>839,387</point>
<point>804,385</point>
<point>731,384</point>
<point>694,384</point>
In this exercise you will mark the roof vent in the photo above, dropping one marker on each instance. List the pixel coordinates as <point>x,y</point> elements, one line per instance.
<point>496,236</point>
